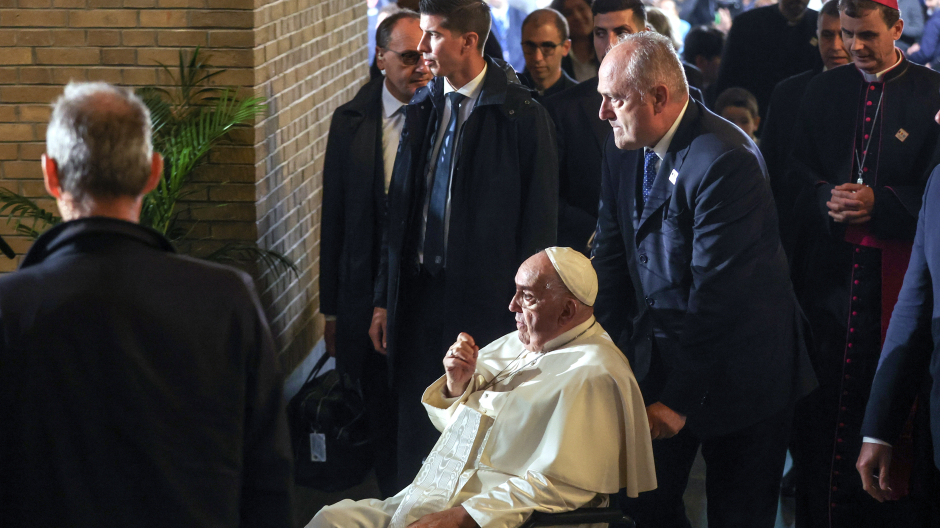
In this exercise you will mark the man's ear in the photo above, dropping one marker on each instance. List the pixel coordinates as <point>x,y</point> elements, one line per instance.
<point>379,58</point>
<point>757,121</point>
<point>156,172</point>
<point>565,48</point>
<point>50,176</point>
<point>470,40</point>
<point>568,312</point>
<point>660,98</point>
<point>897,29</point>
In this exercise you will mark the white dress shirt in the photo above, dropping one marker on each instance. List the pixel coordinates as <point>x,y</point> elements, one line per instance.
<point>393,119</point>
<point>471,91</point>
<point>662,147</point>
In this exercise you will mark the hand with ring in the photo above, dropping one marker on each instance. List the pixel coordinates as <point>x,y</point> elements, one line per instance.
<point>459,364</point>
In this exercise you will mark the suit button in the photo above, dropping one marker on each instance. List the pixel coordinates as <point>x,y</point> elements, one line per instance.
<point>644,259</point>
<point>650,301</point>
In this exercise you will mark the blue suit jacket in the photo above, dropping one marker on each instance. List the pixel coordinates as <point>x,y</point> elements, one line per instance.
<point>912,345</point>
<point>695,288</point>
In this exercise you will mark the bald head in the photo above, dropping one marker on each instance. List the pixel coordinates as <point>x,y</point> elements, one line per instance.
<point>545,308</point>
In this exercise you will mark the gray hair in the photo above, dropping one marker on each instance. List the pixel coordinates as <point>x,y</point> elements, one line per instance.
<point>99,137</point>
<point>653,62</point>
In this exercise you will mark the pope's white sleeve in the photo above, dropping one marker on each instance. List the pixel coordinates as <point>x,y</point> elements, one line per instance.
<point>511,503</point>
<point>441,408</point>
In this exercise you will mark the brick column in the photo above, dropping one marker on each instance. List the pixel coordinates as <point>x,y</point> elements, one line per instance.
<point>305,57</point>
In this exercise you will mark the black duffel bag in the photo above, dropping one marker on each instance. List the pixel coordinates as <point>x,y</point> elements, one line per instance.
<point>329,432</point>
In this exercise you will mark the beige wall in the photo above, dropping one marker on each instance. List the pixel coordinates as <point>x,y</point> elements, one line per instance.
<point>304,57</point>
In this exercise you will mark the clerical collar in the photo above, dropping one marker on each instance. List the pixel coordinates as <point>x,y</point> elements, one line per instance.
<point>569,336</point>
<point>662,147</point>
<point>390,103</point>
<point>878,77</point>
<point>471,90</point>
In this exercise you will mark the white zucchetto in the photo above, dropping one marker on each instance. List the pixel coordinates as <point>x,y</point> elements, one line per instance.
<point>576,272</point>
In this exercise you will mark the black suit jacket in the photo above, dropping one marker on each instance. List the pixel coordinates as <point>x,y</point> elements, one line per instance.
<point>503,205</point>
<point>137,388</point>
<point>912,345</point>
<point>352,216</point>
<point>581,134</point>
<point>716,331</point>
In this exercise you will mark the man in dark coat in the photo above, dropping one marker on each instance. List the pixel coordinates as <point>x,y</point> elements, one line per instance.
<point>360,154</point>
<point>137,387</point>
<point>581,133</point>
<point>544,44</point>
<point>765,46</point>
<point>863,148</point>
<point>776,139</point>
<point>695,291</point>
<point>474,193</point>
<point>912,347</point>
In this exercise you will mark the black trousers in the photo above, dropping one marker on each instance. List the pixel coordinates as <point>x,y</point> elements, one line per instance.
<point>382,412</point>
<point>743,472</point>
<point>419,362</point>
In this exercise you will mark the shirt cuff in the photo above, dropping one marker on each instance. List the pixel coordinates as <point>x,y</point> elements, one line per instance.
<point>870,440</point>
<point>329,318</point>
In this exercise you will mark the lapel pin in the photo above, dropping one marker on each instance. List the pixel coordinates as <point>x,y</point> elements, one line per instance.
<point>901,135</point>
<point>673,176</point>
<point>813,41</point>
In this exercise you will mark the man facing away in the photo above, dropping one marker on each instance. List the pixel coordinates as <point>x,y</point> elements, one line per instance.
<point>581,134</point>
<point>547,418</point>
<point>544,44</point>
<point>863,148</point>
<point>360,155</point>
<point>474,192</point>
<point>137,387</point>
<point>696,290</point>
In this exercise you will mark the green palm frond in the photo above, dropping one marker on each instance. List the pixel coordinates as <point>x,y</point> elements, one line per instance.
<point>238,252</point>
<point>20,208</point>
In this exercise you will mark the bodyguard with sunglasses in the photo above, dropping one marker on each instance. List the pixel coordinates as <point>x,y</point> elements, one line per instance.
<point>544,44</point>
<point>363,140</point>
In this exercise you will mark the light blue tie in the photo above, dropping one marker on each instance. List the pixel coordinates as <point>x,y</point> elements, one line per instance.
<point>434,231</point>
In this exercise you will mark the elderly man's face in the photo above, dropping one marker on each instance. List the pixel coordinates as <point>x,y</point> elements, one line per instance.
<point>831,47</point>
<point>621,105</point>
<point>405,68</point>
<point>538,309</point>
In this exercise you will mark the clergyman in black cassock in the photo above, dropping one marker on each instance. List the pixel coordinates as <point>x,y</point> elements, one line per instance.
<point>874,129</point>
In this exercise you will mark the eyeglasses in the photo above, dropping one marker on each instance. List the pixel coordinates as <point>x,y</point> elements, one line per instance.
<point>408,58</point>
<point>547,47</point>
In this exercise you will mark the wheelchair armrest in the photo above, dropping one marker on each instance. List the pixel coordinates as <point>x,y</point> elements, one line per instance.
<point>581,516</point>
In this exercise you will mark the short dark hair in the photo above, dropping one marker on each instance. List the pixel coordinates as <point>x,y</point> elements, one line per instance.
<point>600,7</point>
<point>738,97</point>
<point>461,16</point>
<point>559,5</point>
<point>383,33</point>
<point>704,41</point>
<point>830,8</point>
<point>858,8</point>
<point>553,16</point>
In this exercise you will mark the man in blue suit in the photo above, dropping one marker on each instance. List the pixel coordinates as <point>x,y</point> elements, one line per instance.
<point>696,290</point>
<point>911,348</point>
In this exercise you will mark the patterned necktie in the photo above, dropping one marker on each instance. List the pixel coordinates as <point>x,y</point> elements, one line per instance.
<point>649,173</point>
<point>434,232</point>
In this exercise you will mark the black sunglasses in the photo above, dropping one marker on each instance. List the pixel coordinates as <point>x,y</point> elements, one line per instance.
<point>408,58</point>
<point>547,47</point>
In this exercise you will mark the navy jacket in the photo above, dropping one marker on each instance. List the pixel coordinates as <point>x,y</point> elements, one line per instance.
<point>715,332</point>
<point>137,388</point>
<point>912,345</point>
<point>503,205</point>
<point>352,217</point>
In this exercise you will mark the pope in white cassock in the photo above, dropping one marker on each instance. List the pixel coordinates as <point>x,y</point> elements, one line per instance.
<point>548,418</point>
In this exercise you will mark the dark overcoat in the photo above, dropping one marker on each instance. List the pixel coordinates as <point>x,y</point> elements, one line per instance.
<point>352,216</point>
<point>503,206</point>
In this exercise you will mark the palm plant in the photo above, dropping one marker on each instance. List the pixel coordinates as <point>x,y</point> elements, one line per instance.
<point>188,120</point>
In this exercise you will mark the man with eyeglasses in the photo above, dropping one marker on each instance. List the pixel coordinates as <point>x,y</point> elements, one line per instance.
<point>360,153</point>
<point>581,133</point>
<point>544,44</point>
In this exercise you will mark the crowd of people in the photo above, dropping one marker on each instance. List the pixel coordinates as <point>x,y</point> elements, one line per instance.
<point>562,252</point>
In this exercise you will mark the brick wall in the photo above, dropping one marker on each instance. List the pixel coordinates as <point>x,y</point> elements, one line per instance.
<point>305,57</point>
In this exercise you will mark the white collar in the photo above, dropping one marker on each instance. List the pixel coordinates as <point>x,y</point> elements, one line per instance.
<point>471,90</point>
<point>568,336</point>
<point>876,77</point>
<point>663,146</point>
<point>390,103</point>
<point>500,12</point>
